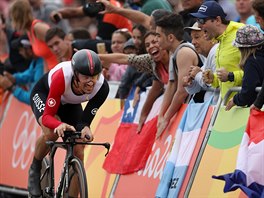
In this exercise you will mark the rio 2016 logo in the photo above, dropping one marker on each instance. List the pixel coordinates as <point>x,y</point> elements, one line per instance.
<point>25,136</point>
<point>157,160</point>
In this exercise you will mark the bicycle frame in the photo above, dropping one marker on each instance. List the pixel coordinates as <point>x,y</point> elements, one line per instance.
<point>50,190</point>
<point>68,146</point>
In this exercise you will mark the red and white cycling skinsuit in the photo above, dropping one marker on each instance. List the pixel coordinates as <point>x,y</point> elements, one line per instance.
<point>53,95</point>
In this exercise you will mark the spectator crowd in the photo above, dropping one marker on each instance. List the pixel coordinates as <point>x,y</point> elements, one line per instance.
<point>183,49</point>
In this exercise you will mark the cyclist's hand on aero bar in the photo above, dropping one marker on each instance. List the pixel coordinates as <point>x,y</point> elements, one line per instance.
<point>63,127</point>
<point>87,134</point>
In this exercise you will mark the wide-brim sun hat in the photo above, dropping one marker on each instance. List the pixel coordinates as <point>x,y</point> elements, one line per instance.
<point>248,36</point>
<point>195,27</point>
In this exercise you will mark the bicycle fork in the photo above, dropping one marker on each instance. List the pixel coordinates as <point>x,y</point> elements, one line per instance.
<point>64,177</point>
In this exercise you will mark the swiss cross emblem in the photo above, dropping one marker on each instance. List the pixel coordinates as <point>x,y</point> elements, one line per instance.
<point>51,102</point>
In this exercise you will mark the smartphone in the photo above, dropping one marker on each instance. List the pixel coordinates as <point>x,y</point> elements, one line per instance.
<point>97,6</point>
<point>101,48</point>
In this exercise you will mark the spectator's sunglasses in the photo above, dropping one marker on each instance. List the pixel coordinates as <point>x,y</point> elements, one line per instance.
<point>202,21</point>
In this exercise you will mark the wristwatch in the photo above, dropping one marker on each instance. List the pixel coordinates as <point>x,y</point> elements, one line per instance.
<point>230,76</point>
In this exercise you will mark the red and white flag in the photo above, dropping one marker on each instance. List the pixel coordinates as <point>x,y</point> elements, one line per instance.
<point>249,172</point>
<point>131,150</point>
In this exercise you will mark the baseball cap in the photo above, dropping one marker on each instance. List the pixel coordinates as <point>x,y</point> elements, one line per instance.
<point>193,27</point>
<point>248,36</point>
<point>21,41</point>
<point>209,9</point>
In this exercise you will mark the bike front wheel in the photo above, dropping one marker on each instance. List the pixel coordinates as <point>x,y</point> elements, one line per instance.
<point>77,180</point>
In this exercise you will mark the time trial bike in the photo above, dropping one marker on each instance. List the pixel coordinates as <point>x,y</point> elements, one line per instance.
<point>73,169</point>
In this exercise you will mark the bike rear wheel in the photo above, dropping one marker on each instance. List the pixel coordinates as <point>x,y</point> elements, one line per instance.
<point>77,179</point>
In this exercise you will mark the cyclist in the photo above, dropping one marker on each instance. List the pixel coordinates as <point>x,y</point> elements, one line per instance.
<point>56,102</point>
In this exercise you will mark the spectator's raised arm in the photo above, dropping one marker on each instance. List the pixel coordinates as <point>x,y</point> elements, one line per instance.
<point>113,58</point>
<point>133,15</point>
<point>66,13</point>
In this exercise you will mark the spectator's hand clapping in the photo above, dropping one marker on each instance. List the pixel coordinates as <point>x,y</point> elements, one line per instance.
<point>208,76</point>
<point>194,70</point>
<point>187,81</point>
<point>222,74</point>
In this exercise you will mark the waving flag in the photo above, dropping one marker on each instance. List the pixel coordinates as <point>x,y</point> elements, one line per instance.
<point>249,173</point>
<point>183,147</point>
<point>130,150</point>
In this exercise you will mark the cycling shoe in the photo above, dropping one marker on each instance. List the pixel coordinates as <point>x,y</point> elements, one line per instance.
<point>34,181</point>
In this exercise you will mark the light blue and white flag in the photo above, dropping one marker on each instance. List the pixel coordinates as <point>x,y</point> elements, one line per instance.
<point>184,144</point>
